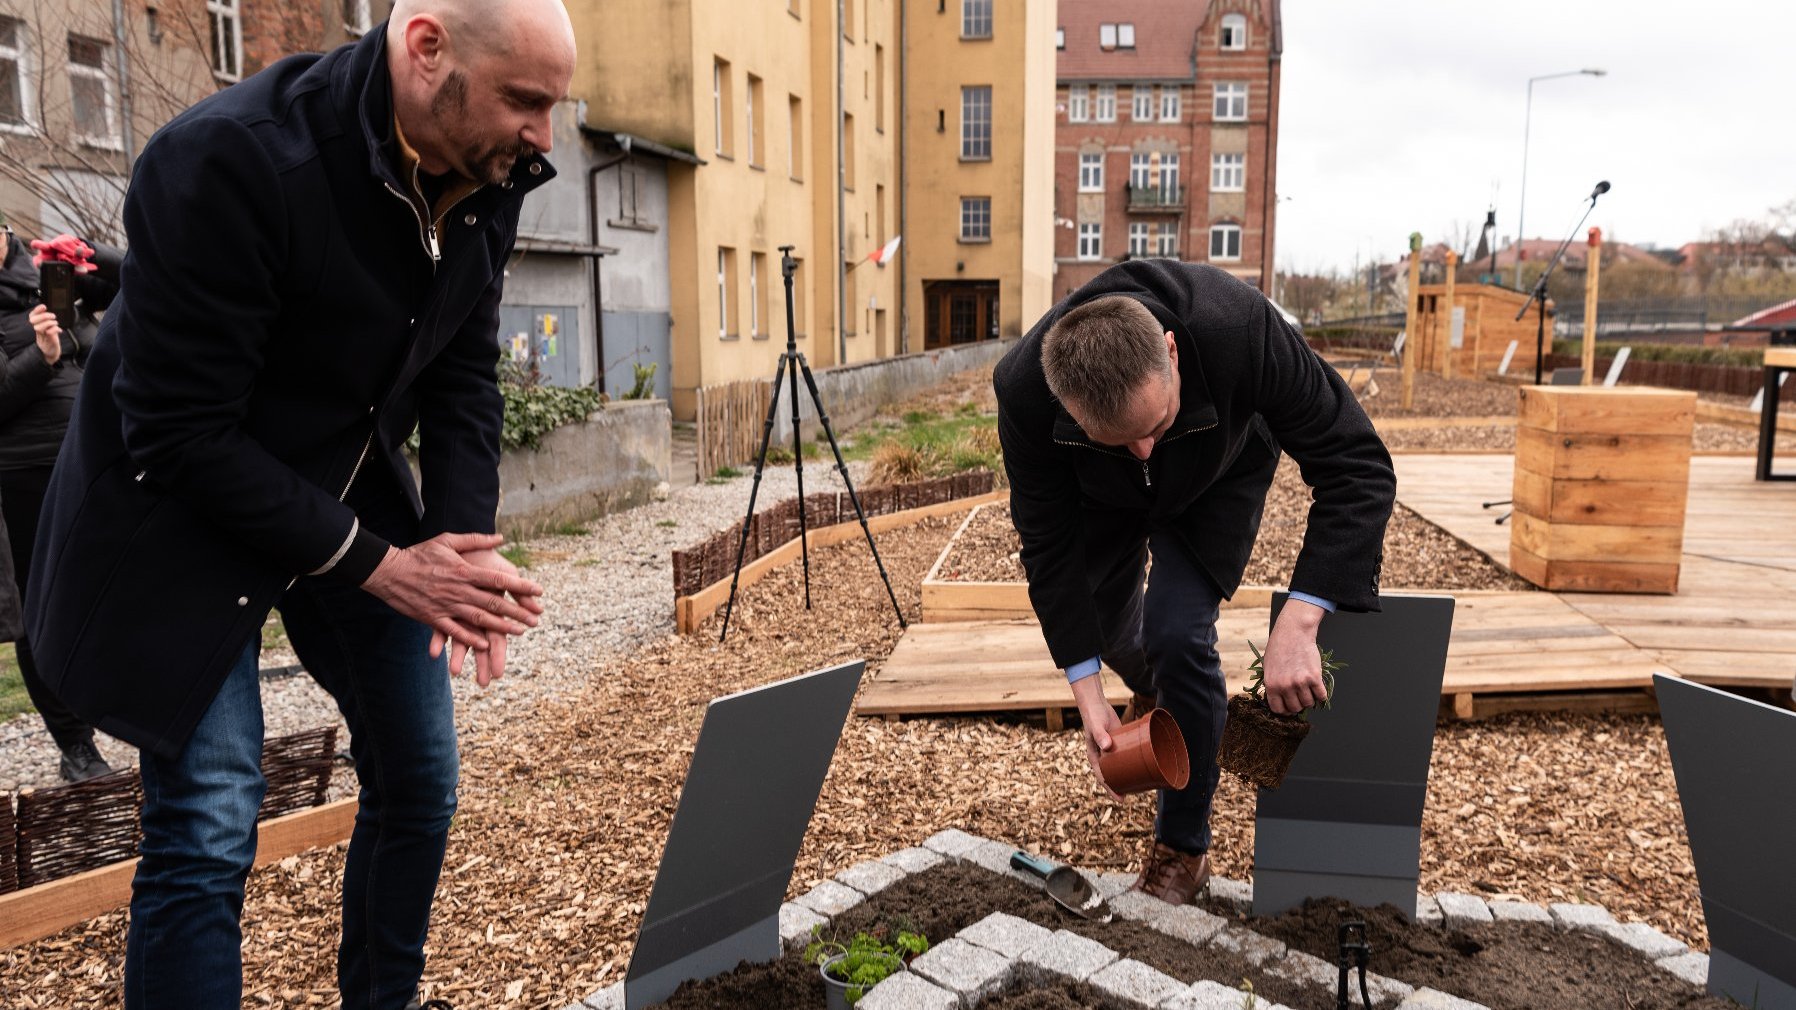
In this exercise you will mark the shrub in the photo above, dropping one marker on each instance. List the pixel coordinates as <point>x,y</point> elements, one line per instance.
<point>897,463</point>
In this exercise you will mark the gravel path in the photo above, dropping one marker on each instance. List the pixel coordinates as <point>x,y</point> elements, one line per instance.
<point>606,591</point>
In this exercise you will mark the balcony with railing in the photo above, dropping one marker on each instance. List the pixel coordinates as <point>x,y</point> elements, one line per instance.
<point>1156,199</point>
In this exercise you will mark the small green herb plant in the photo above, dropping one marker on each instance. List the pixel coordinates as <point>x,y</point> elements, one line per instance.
<point>1256,686</point>
<point>866,960</point>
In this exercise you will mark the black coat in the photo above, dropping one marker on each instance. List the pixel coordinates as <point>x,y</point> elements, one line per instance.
<point>36,398</point>
<point>1249,384</point>
<point>281,329</point>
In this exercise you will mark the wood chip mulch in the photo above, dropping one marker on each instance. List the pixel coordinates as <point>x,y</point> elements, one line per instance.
<point>565,809</point>
<point>1417,553</point>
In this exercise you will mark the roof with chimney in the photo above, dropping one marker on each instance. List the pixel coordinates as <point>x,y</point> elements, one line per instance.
<point>1166,43</point>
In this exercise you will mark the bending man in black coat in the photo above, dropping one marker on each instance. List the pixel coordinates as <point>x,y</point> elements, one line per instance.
<point>316,258</point>
<point>1143,417</point>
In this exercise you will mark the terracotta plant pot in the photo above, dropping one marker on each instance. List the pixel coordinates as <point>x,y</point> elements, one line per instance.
<point>1258,744</point>
<point>1149,754</point>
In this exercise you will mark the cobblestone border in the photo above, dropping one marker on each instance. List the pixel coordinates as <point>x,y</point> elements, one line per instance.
<point>992,954</point>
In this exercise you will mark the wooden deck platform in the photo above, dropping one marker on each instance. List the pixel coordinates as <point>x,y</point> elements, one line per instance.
<point>1732,623</point>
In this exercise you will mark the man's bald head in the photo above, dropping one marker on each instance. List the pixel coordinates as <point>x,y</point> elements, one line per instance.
<point>474,80</point>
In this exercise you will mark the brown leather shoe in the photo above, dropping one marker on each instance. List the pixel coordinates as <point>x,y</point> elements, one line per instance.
<point>1138,706</point>
<point>1173,876</point>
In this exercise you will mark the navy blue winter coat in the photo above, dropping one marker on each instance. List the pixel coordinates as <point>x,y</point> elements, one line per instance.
<point>282,327</point>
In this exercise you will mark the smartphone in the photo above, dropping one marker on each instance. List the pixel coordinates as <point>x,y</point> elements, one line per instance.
<point>58,283</point>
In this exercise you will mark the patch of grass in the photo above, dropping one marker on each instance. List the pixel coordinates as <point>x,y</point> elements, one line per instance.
<point>667,524</point>
<point>13,697</point>
<point>914,417</point>
<point>274,633</point>
<point>570,530</point>
<point>517,554</point>
<point>967,409</point>
<point>947,444</point>
<point>586,563</point>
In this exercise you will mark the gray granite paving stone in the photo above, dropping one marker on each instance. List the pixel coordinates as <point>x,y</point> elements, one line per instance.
<point>870,877</point>
<point>953,843</point>
<point>914,860</point>
<point>1064,954</point>
<point>1461,910</point>
<point>1255,948</point>
<point>795,925</point>
<point>1110,884</point>
<point>830,898</point>
<point>1428,911</point>
<point>1383,989</point>
<point>1134,982</point>
<point>1692,967</point>
<point>969,971</point>
<point>1005,933</point>
<point>1137,906</point>
<point>1298,966</point>
<point>905,991</point>
<point>1434,999</point>
<point>1519,911</point>
<point>1573,916</point>
<point>1643,940</point>
<point>1236,894</point>
<point>1208,995</point>
<point>995,856</point>
<point>1188,923</point>
<point>609,998</point>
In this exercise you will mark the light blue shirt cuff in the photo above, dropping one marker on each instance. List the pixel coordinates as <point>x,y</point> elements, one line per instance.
<point>1307,598</point>
<point>1079,671</point>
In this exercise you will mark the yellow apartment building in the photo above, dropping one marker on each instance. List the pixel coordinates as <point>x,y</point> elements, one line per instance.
<point>787,158</point>
<point>979,193</point>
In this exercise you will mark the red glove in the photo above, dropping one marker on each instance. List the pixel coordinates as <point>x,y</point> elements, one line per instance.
<point>66,249</point>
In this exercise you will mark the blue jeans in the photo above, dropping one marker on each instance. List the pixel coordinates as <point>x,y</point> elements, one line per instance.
<point>199,813</point>
<point>1162,642</point>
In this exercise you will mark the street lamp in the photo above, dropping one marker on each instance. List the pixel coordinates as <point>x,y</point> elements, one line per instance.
<point>1522,208</point>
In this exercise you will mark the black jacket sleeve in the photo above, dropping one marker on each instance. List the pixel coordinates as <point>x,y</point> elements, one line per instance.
<point>191,342</point>
<point>1319,422</point>
<point>22,379</point>
<point>460,415</point>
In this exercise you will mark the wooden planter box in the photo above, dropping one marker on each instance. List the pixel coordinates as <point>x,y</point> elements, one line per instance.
<point>1601,477</point>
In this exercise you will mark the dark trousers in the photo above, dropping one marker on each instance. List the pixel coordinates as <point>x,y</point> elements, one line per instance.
<point>1161,638</point>
<point>22,501</point>
<point>199,813</point>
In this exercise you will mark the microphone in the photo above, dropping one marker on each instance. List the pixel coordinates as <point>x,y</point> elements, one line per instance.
<point>1601,188</point>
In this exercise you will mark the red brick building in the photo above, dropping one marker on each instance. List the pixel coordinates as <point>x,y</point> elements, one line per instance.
<point>1166,135</point>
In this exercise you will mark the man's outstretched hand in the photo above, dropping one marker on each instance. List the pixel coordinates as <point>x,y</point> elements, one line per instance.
<point>1100,723</point>
<point>469,596</point>
<point>1292,662</point>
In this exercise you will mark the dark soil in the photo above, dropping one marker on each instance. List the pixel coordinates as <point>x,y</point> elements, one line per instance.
<point>1505,965</point>
<point>788,982</point>
<point>1065,996</point>
<point>1257,744</point>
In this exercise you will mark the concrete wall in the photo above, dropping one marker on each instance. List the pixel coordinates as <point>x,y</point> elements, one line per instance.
<point>853,393</point>
<point>611,462</point>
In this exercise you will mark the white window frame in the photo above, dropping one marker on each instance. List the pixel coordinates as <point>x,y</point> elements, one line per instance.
<point>1225,232</point>
<point>723,293</point>
<point>975,219</point>
<point>218,14</point>
<point>363,18</point>
<point>1104,108</point>
<point>1169,103</point>
<point>1169,173</point>
<point>1228,173</point>
<point>1125,35</point>
<point>1060,38</point>
<point>1091,171</point>
<point>748,98</point>
<point>1078,103</point>
<point>1166,243</point>
<point>717,109</point>
<point>1233,37</point>
<point>754,294</point>
<point>1229,102</point>
<point>112,140</point>
<point>1141,103</point>
<point>1138,239</point>
<point>972,13</point>
<point>1141,168</point>
<point>1093,231</point>
<point>20,54</point>
<point>1107,36</point>
<point>969,124</point>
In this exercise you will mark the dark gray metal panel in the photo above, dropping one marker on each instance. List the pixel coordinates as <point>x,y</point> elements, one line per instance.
<point>1364,767</point>
<point>1735,762</point>
<point>752,786</point>
<point>637,338</point>
<point>1282,890</point>
<point>1378,850</point>
<point>1731,978</point>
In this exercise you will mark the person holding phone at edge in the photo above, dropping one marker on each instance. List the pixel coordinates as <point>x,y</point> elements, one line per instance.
<point>315,261</point>
<point>1141,418</point>
<point>43,363</point>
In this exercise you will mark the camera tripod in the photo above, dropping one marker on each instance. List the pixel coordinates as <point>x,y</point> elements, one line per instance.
<point>793,362</point>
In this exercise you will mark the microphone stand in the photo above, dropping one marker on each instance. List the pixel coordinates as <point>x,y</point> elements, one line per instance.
<point>1538,297</point>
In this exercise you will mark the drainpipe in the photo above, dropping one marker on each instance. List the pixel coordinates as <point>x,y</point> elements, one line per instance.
<point>592,238</point>
<point>841,197</point>
<point>903,125</point>
<point>124,85</point>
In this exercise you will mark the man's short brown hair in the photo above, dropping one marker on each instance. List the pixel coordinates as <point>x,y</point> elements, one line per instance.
<point>1097,355</point>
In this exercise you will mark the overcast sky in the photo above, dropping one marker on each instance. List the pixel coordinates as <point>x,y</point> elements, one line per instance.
<point>1407,115</point>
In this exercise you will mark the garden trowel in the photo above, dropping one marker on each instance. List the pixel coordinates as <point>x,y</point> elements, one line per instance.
<point>1065,885</point>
